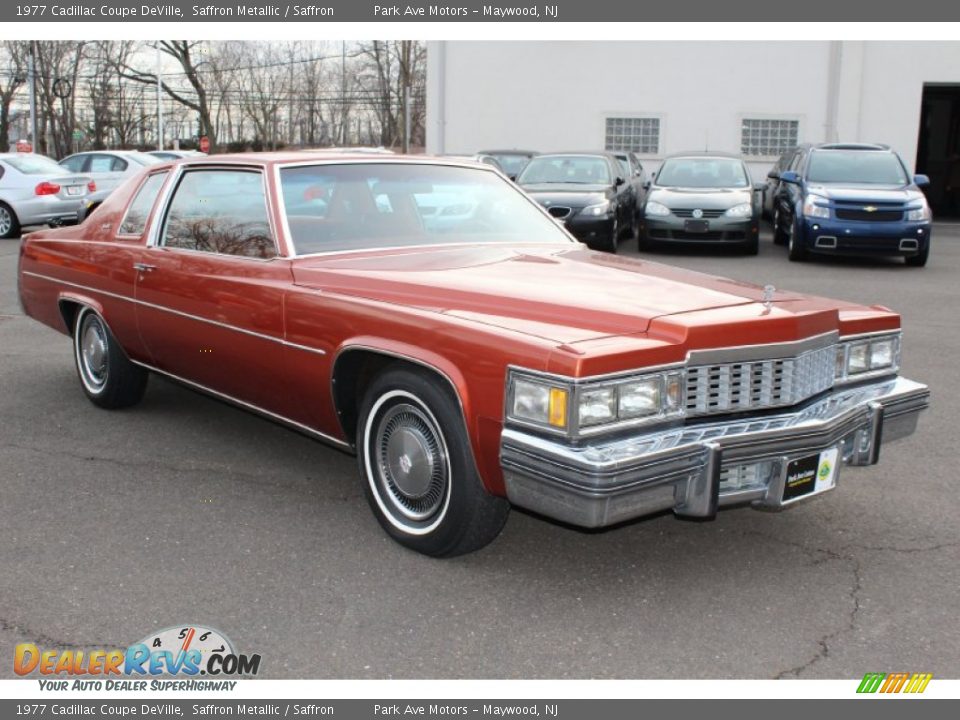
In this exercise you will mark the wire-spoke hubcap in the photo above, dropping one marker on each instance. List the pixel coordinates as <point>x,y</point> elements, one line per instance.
<point>93,352</point>
<point>411,462</point>
<point>6,221</point>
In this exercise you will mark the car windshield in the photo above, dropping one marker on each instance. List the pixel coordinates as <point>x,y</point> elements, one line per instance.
<point>34,165</point>
<point>860,167</point>
<point>332,208</point>
<point>512,164</point>
<point>706,172</point>
<point>143,158</point>
<point>576,169</point>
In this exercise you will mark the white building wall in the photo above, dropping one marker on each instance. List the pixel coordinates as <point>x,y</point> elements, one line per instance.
<point>556,95</point>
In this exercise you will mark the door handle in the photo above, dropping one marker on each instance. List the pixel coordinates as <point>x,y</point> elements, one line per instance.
<point>143,267</point>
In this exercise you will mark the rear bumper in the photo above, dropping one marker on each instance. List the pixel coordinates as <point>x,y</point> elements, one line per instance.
<point>47,209</point>
<point>695,469</point>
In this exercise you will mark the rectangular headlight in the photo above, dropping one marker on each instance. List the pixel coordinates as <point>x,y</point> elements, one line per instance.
<point>640,398</point>
<point>863,358</point>
<point>597,406</point>
<point>538,402</point>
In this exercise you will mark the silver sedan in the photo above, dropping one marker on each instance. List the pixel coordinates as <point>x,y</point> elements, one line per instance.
<point>34,190</point>
<point>109,168</point>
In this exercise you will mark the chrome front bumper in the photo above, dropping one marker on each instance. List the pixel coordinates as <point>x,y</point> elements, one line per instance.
<point>695,469</point>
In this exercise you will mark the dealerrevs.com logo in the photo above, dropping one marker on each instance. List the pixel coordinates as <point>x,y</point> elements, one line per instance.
<point>181,654</point>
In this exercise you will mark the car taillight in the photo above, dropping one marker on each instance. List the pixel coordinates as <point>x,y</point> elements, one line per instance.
<point>91,186</point>
<point>47,188</point>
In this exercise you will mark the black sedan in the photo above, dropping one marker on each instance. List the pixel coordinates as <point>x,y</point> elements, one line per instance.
<point>587,192</point>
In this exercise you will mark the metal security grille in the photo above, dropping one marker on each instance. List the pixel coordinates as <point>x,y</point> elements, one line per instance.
<point>639,135</point>
<point>768,138</point>
<point>735,387</point>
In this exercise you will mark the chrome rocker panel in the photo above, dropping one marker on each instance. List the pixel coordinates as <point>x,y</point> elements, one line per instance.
<point>680,468</point>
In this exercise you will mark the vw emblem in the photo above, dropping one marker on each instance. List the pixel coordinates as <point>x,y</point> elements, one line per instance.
<point>698,213</point>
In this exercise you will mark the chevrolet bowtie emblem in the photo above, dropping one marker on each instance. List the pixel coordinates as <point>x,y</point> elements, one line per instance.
<point>768,291</point>
<point>869,208</point>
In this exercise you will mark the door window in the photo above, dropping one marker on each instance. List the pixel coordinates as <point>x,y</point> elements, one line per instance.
<point>220,211</point>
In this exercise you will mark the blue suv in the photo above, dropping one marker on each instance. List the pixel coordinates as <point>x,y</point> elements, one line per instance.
<point>849,199</point>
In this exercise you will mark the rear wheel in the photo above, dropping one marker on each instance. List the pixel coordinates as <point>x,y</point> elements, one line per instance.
<point>418,469</point>
<point>107,376</point>
<point>779,237</point>
<point>9,224</point>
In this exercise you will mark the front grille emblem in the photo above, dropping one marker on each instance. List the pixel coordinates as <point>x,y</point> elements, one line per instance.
<point>698,213</point>
<point>869,208</point>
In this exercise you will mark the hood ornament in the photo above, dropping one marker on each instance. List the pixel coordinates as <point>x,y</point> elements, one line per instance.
<point>768,291</point>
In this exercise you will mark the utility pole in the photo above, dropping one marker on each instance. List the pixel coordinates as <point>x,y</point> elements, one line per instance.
<point>31,69</point>
<point>159,100</point>
<point>343,92</point>
<point>290,104</point>
<point>406,119</point>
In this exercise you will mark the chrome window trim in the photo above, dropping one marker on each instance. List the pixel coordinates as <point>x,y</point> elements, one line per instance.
<point>154,306</point>
<point>288,237</point>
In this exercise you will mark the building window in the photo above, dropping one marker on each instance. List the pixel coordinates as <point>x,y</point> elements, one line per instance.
<point>636,134</point>
<point>768,138</point>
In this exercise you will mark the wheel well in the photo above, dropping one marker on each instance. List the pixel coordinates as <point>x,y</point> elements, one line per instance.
<point>353,372</point>
<point>68,311</point>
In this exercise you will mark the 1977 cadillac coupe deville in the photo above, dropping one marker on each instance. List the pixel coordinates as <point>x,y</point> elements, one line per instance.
<point>430,317</point>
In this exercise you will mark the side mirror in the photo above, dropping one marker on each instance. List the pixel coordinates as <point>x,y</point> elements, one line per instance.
<point>619,181</point>
<point>646,184</point>
<point>790,177</point>
<point>773,175</point>
<point>760,187</point>
<point>921,180</point>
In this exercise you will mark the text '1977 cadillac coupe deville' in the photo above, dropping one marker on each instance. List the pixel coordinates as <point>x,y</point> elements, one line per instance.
<point>430,317</point>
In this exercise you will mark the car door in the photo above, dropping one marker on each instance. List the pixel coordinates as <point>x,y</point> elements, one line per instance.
<point>790,194</point>
<point>108,171</point>
<point>210,286</point>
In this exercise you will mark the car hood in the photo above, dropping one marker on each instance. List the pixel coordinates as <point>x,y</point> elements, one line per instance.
<point>572,195</point>
<point>865,193</point>
<point>705,198</point>
<point>565,294</point>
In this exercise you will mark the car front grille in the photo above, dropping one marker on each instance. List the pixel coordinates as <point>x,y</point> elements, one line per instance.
<point>869,216</point>
<point>740,386</point>
<point>688,213</point>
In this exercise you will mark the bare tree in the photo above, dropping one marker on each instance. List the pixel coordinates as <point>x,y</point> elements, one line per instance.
<point>13,76</point>
<point>194,61</point>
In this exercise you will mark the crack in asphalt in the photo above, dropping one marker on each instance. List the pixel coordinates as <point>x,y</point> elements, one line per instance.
<point>842,555</point>
<point>47,642</point>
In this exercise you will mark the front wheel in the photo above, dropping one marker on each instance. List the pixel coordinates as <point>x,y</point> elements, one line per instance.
<point>107,376</point>
<point>796,250</point>
<point>418,469</point>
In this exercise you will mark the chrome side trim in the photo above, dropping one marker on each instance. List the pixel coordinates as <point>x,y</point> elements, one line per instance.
<point>243,331</point>
<point>306,429</point>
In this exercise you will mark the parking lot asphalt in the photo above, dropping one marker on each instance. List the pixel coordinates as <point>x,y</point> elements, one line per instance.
<point>185,510</point>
